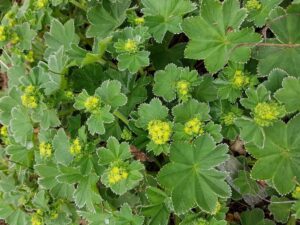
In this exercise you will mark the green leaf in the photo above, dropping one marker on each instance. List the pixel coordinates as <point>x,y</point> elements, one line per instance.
<point>260,16</point>
<point>255,216</point>
<point>61,146</point>
<point>255,96</point>
<point>114,151</point>
<point>192,174</point>
<point>110,93</point>
<point>163,16</point>
<point>189,110</point>
<point>275,79</point>
<point>279,158</point>
<point>152,111</point>
<point>20,155</point>
<point>245,183</point>
<point>216,34</point>
<point>21,126</point>
<point>96,218</point>
<point>7,103</point>
<point>60,35</point>
<point>284,25</point>
<point>157,208</point>
<point>250,132</point>
<point>166,80</point>
<point>46,117</point>
<point>97,120</point>
<point>105,18</point>
<point>125,217</point>
<point>133,61</point>
<point>280,207</point>
<point>26,35</point>
<point>86,194</point>
<point>18,217</point>
<point>47,179</point>
<point>289,94</point>
<point>57,64</point>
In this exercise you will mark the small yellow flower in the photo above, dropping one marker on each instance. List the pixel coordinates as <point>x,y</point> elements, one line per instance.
<point>296,193</point>
<point>2,33</point>
<point>139,20</point>
<point>253,5</point>
<point>131,46</point>
<point>240,80</point>
<point>11,22</point>
<point>266,113</point>
<point>30,89</point>
<point>39,212</point>
<point>29,57</point>
<point>45,149</point>
<point>3,131</point>
<point>69,94</point>
<point>75,148</point>
<point>92,104</point>
<point>41,3</point>
<point>202,222</point>
<point>36,220</point>
<point>29,101</point>
<point>183,88</point>
<point>117,174</point>
<point>194,127</point>
<point>217,209</point>
<point>15,38</point>
<point>159,131</point>
<point>54,215</point>
<point>228,119</point>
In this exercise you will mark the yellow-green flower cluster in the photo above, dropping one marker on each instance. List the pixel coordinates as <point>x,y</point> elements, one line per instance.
<point>29,98</point>
<point>194,127</point>
<point>183,88</point>
<point>69,94</point>
<point>296,193</point>
<point>45,149</point>
<point>3,35</point>
<point>36,220</point>
<point>92,104</point>
<point>202,222</point>
<point>76,147</point>
<point>41,3</point>
<point>131,46</point>
<point>266,113</point>
<point>139,20</point>
<point>29,57</point>
<point>253,5</point>
<point>126,134</point>
<point>217,209</point>
<point>240,80</point>
<point>3,131</point>
<point>15,38</point>
<point>228,118</point>
<point>116,174</point>
<point>10,17</point>
<point>159,131</point>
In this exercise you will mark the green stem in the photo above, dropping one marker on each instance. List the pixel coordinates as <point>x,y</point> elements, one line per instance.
<point>121,117</point>
<point>77,4</point>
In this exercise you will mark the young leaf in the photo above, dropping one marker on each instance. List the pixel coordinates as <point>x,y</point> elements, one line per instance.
<point>192,174</point>
<point>133,61</point>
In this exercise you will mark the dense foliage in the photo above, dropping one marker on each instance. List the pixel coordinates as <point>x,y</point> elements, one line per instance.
<point>131,112</point>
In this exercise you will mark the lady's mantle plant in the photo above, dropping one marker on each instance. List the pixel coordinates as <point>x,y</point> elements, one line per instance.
<point>157,112</point>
